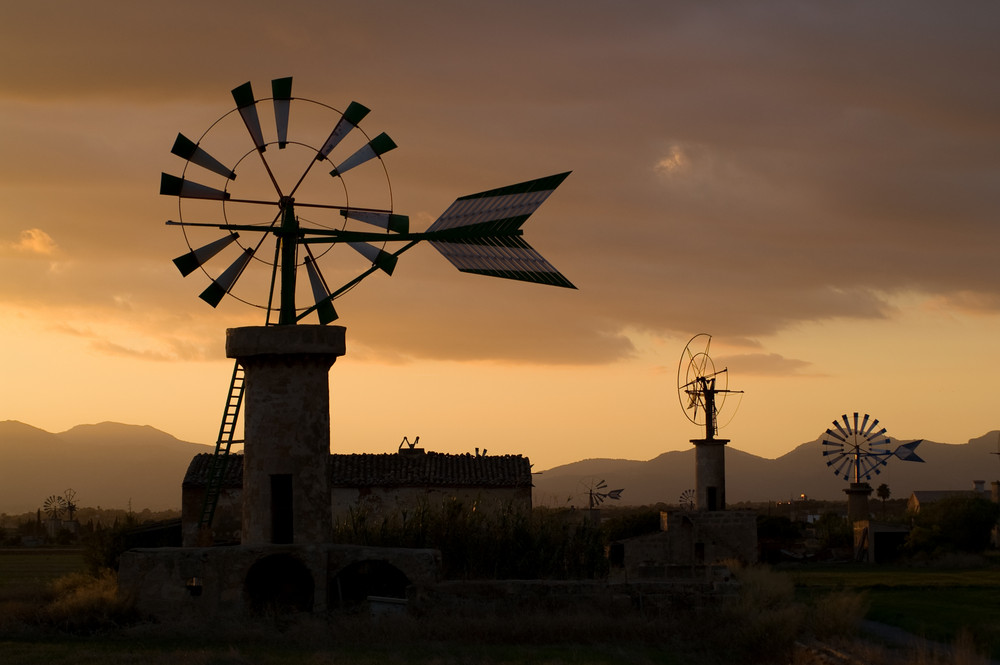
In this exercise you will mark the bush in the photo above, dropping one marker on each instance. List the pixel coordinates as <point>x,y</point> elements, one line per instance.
<point>838,614</point>
<point>477,544</point>
<point>764,620</point>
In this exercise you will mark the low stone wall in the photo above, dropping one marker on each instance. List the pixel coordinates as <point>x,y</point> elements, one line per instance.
<point>193,583</point>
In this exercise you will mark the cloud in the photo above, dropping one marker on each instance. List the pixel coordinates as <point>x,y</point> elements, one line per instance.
<point>33,242</point>
<point>765,364</point>
<point>738,168</point>
<point>674,162</point>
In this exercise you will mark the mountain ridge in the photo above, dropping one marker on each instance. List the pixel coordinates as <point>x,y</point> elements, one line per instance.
<point>114,465</point>
<point>749,477</point>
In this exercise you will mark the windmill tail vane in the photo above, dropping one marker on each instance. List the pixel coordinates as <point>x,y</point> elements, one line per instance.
<point>907,451</point>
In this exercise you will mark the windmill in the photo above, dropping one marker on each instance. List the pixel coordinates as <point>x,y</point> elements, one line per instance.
<point>858,449</point>
<point>54,507</point>
<point>703,391</point>
<point>69,496</point>
<point>597,494</point>
<point>686,499</point>
<point>259,204</point>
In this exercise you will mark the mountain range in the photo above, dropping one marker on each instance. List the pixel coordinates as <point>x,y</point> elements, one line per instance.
<point>803,471</point>
<point>110,465</point>
<point>113,465</point>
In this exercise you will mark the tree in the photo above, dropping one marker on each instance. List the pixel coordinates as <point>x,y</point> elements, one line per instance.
<point>957,523</point>
<point>883,493</point>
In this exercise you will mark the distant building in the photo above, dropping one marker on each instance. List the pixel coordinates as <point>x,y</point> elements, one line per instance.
<point>923,497</point>
<point>375,485</point>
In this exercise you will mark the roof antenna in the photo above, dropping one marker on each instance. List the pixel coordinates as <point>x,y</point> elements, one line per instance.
<point>411,445</point>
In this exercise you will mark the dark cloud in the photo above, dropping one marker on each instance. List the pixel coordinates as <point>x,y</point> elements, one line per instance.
<point>737,167</point>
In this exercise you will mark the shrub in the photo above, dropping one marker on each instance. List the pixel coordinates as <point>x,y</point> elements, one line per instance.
<point>764,620</point>
<point>477,544</point>
<point>85,603</point>
<point>838,614</point>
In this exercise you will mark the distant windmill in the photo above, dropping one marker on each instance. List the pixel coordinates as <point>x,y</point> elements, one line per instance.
<point>54,507</point>
<point>70,497</point>
<point>702,391</point>
<point>857,450</point>
<point>598,495</point>
<point>686,499</point>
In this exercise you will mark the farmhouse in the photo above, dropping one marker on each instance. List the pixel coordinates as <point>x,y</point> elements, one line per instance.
<point>374,485</point>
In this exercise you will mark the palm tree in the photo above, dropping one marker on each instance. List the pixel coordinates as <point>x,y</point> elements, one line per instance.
<point>883,493</point>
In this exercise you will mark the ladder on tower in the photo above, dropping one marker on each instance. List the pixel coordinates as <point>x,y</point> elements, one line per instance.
<point>220,459</point>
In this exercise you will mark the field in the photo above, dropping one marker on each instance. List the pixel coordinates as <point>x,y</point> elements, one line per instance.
<point>24,572</point>
<point>938,603</point>
<point>759,627</point>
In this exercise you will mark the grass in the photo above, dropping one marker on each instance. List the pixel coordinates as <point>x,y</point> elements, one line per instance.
<point>24,573</point>
<point>77,619</point>
<point>944,604</point>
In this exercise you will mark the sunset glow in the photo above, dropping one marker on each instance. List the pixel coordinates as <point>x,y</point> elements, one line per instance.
<point>815,186</point>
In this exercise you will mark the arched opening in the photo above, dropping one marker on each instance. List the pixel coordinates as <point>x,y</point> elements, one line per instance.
<point>279,584</point>
<point>354,583</point>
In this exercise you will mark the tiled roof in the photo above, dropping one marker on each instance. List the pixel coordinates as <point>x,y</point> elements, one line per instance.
<point>197,471</point>
<point>394,470</point>
<point>429,470</point>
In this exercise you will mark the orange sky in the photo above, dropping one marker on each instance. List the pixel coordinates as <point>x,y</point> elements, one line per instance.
<point>815,186</point>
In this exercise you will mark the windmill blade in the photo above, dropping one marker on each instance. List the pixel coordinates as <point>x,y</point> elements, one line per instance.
<point>281,91</point>
<point>171,185</point>
<point>243,96</point>
<point>864,425</point>
<point>838,463</point>
<point>856,422</point>
<point>196,258</point>
<point>221,285</point>
<point>385,261</point>
<point>187,149</point>
<point>835,435</point>
<point>348,121</point>
<point>377,147</point>
<point>321,294</point>
<point>908,451</point>
<point>841,429</point>
<point>384,220</point>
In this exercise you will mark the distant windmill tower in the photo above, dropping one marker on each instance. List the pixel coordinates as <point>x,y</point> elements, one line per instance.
<point>702,391</point>
<point>858,450</point>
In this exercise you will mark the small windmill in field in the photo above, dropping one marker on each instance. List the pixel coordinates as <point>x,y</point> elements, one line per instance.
<point>54,507</point>
<point>597,494</point>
